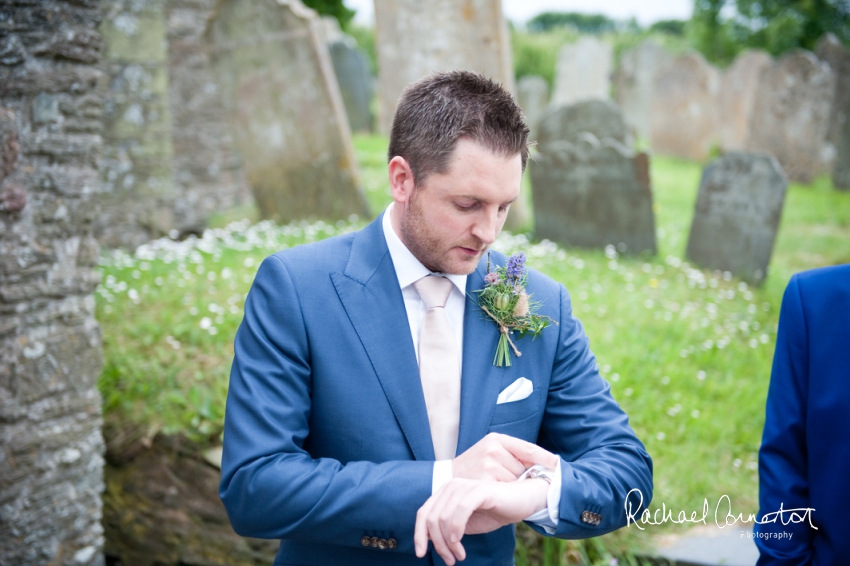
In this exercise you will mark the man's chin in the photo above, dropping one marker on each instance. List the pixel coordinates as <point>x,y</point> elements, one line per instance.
<point>463,265</point>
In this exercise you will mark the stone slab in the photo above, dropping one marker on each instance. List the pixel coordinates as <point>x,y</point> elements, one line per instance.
<point>137,200</point>
<point>708,546</point>
<point>791,119</point>
<point>533,98</point>
<point>830,50</point>
<point>590,189</point>
<point>286,111</point>
<point>355,83</point>
<point>634,82</point>
<point>583,71</point>
<point>737,214</point>
<point>683,121</point>
<point>737,98</point>
<point>415,38</point>
<point>207,173</point>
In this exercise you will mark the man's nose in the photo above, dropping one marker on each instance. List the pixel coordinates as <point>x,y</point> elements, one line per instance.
<point>487,227</point>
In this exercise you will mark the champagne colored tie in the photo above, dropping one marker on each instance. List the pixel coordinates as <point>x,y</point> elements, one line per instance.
<point>438,366</point>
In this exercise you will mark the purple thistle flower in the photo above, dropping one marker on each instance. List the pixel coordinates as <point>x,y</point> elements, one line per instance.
<point>516,267</point>
<point>491,278</point>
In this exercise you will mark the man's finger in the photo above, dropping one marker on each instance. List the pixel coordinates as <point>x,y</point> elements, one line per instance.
<point>528,453</point>
<point>420,530</point>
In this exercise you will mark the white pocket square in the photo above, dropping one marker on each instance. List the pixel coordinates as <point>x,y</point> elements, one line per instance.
<point>516,391</point>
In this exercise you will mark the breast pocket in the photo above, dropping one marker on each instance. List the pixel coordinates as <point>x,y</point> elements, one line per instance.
<point>507,413</point>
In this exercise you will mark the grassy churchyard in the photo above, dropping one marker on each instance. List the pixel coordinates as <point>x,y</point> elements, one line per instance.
<point>687,352</point>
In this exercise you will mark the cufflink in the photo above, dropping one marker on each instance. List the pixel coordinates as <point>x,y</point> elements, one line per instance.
<point>591,518</point>
<point>537,471</point>
<point>542,473</point>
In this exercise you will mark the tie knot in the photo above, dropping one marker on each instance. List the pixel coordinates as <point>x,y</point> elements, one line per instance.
<point>434,290</point>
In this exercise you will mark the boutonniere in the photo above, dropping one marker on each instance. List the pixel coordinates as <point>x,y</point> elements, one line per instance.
<point>505,300</point>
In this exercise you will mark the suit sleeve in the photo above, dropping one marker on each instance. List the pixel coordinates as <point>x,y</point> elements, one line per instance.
<point>270,486</point>
<point>602,460</point>
<point>783,479</point>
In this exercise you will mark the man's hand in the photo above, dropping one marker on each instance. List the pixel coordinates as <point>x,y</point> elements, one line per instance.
<point>465,506</point>
<point>498,457</point>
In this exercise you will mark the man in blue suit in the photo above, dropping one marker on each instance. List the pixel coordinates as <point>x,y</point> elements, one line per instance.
<point>337,440</point>
<point>805,453</point>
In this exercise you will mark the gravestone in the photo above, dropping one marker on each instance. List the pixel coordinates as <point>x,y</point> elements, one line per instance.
<point>590,189</point>
<point>791,118</point>
<point>415,38</point>
<point>737,214</point>
<point>137,199</point>
<point>583,71</point>
<point>830,49</point>
<point>634,83</point>
<point>289,123</point>
<point>355,83</point>
<point>51,122</point>
<point>207,174</point>
<point>737,99</point>
<point>683,120</point>
<point>533,98</point>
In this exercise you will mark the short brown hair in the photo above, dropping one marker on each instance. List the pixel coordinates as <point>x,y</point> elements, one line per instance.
<point>436,111</point>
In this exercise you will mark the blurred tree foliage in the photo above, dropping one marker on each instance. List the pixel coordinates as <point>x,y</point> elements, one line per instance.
<point>722,28</point>
<point>333,8</point>
<point>670,27</point>
<point>584,23</point>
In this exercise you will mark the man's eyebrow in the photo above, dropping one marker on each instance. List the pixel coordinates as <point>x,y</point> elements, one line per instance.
<point>479,199</point>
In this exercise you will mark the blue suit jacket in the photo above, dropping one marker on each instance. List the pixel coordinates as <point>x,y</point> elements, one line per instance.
<point>326,435</point>
<point>804,460</point>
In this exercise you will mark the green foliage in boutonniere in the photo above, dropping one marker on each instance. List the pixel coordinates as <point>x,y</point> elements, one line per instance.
<point>504,300</point>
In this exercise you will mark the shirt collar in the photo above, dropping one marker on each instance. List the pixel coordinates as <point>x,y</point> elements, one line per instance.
<point>408,269</point>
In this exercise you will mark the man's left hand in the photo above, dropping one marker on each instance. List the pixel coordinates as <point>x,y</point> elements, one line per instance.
<point>473,507</point>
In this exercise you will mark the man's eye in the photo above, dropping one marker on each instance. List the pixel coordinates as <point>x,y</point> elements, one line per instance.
<point>464,206</point>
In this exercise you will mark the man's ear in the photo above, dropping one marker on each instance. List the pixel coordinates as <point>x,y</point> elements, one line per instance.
<point>401,179</point>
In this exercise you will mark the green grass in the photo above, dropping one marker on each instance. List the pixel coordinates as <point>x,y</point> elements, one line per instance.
<point>687,351</point>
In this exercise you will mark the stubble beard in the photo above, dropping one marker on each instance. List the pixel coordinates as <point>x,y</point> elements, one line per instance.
<point>424,243</point>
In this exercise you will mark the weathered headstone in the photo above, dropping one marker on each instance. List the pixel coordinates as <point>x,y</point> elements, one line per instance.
<point>207,174</point>
<point>533,98</point>
<point>737,214</point>
<point>415,38</point>
<point>583,71</point>
<point>355,83</point>
<point>634,83</point>
<point>830,49</point>
<point>137,201</point>
<point>51,463</point>
<point>791,117</point>
<point>683,120</point>
<point>737,99</point>
<point>589,187</point>
<point>289,123</point>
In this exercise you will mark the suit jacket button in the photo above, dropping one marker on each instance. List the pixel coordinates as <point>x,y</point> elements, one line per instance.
<point>366,541</point>
<point>392,544</point>
<point>591,518</point>
<point>373,542</point>
<point>382,544</point>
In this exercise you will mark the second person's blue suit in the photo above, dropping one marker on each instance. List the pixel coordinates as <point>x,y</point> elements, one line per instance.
<point>804,460</point>
<point>326,432</point>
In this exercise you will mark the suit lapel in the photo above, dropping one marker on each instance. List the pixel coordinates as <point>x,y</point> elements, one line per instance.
<point>370,293</point>
<point>479,382</point>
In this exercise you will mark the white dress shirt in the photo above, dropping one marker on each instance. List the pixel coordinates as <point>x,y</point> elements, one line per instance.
<point>409,270</point>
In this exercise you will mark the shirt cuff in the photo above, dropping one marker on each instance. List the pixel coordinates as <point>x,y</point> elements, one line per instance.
<point>547,518</point>
<point>442,475</point>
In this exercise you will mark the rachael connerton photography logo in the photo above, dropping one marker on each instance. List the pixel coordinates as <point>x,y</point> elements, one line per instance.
<point>723,515</point>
